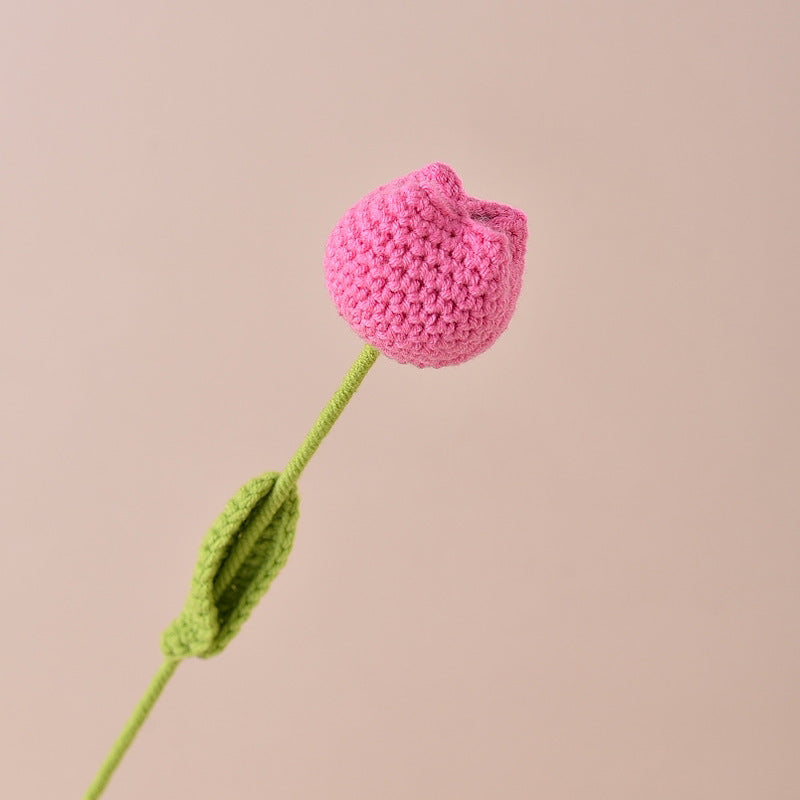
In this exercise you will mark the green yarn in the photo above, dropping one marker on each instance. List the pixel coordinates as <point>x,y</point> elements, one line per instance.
<point>131,728</point>
<point>215,611</point>
<point>239,557</point>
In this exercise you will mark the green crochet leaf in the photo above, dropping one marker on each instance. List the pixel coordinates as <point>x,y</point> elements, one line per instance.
<point>214,612</point>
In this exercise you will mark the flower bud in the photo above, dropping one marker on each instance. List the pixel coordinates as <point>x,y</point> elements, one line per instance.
<point>423,272</point>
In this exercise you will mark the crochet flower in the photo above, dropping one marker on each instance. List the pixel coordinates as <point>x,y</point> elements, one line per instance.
<point>425,273</point>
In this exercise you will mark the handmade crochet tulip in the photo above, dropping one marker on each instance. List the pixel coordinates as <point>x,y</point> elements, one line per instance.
<point>425,273</point>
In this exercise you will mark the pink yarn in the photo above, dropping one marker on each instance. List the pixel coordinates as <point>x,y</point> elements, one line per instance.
<point>423,272</point>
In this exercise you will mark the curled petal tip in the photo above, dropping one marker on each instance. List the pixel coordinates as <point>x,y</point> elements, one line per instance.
<point>444,179</point>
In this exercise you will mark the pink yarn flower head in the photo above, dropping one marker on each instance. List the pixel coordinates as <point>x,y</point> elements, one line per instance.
<point>425,273</point>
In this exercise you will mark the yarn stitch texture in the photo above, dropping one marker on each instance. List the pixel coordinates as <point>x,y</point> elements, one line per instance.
<point>214,613</point>
<point>425,273</point>
<point>240,556</point>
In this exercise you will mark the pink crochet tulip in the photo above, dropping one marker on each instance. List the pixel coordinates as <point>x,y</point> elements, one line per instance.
<point>423,272</point>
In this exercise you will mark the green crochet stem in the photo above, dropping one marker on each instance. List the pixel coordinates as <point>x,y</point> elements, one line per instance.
<point>288,478</point>
<point>246,542</point>
<point>131,728</point>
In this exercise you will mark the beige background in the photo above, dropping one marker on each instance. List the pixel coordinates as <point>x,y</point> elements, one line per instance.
<point>566,569</point>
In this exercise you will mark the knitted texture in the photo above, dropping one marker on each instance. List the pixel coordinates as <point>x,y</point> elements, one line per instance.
<point>240,556</point>
<point>214,613</point>
<point>250,541</point>
<point>425,273</point>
